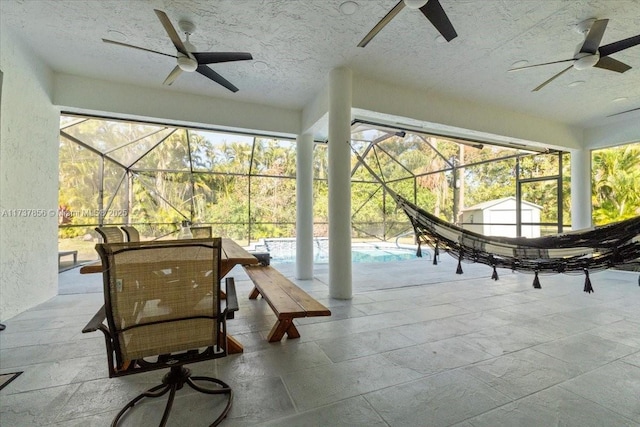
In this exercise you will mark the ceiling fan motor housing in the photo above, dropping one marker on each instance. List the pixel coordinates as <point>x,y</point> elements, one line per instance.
<point>187,64</point>
<point>586,60</point>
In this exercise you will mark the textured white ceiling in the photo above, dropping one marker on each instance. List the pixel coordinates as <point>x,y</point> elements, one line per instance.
<point>300,41</point>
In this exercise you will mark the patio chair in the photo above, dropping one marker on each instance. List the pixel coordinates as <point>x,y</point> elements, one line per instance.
<point>201,232</point>
<point>110,234</point>
<point>163,309</point>
<point>131,233</point>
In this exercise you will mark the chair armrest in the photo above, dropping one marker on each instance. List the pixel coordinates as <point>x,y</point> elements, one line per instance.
<point>232,297</point>
<point>96,322</point>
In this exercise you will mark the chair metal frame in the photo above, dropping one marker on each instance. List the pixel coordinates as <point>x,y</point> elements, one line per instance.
<point>178,376</point>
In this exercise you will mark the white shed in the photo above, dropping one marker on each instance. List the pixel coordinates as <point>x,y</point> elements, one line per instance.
<point>498,218</point>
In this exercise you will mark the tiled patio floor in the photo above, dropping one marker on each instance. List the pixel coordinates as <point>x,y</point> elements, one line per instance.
<point>416,346</point>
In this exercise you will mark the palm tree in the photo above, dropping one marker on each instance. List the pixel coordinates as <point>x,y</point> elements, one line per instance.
<point>615,180</point>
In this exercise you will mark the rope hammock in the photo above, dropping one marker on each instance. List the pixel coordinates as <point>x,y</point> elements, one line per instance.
<point>592,249</point>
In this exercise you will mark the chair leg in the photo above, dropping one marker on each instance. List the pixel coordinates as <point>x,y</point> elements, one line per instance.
<point>167,408</point>
<point>152,392</point>
<point>174,380</point>
<point>223,389</point>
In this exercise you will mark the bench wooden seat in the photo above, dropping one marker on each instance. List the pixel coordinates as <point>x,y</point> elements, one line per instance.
<point>285,298</point>
<point>67,253</point>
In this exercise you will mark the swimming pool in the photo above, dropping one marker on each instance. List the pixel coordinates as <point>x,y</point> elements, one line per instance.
<point>284,251</point>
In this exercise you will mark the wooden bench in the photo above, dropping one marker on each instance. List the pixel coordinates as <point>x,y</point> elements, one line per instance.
<point>66,253</point>
<point>285,298</point>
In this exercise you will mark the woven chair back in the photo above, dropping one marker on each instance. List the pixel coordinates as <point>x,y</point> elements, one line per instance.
<point>201,232</point>
<point>131,232</point>
<point>110,234</point>
<point>162,297</point>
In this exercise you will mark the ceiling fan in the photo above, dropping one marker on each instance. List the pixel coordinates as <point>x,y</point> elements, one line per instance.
<point>429,8</point>
<point>189,60</point>
<point>590,53</point>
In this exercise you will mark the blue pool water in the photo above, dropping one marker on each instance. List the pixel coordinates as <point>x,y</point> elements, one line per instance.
<point>284,251</point>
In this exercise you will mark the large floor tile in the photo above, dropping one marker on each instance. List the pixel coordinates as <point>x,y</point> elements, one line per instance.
<point>523,372</point>
<point>438,400</point>
<point>632,359</point>
<point>438,356</point>
<point>354,412</point>
<point>59,372</point>
<point>552,407</point>
<point>615,386</point>
<point>556,325</point>
<point>585,350</point>
<point>35,408</point>
<point>277,359</point>
<point>34,354</point>
<point>506,339</point>
<point>624,331</point>
<point>328,384</point>
<point>364,344</point>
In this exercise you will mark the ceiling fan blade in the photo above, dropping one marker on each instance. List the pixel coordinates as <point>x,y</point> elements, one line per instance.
<point>609,63</point>
<point>539,65</point>
<point>594,36</point>
<point>215,57</point>
<point>614,47</point>
<point>173,75</point>
<point>552,78</point>
<point>173,35</point>
<point>137,47</point>
<point>622,112</point>
<point>380,25</point>
<point>209,73</point>
<point>438,17</point>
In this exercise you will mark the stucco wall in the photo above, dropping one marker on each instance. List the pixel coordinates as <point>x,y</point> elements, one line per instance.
<point>28,180</point>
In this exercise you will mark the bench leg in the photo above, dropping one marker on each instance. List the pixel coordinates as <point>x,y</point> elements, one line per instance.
<point>281,327</point>
<point>254,293</point>
<point>233,345</point>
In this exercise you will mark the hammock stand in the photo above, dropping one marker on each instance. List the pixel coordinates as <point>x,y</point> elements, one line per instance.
<point>581,251</point>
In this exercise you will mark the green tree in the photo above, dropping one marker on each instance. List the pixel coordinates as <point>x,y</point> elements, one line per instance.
<point>615,183</point>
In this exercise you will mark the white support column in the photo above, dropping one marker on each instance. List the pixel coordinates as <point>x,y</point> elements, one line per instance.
<point>304,207</point>
<point>340,280</point>
<point>581,189</point>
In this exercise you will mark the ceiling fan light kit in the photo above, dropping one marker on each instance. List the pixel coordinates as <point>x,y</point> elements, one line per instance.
<point>187,64</point>
<point>586,60</point>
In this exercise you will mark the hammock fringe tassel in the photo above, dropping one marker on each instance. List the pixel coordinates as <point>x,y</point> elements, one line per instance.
<point>536,281</point>
<point>494,276</point>
<point>587,282</point>
<point>436,253</point>
<point>459,269</point>
<point>419,251</point>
